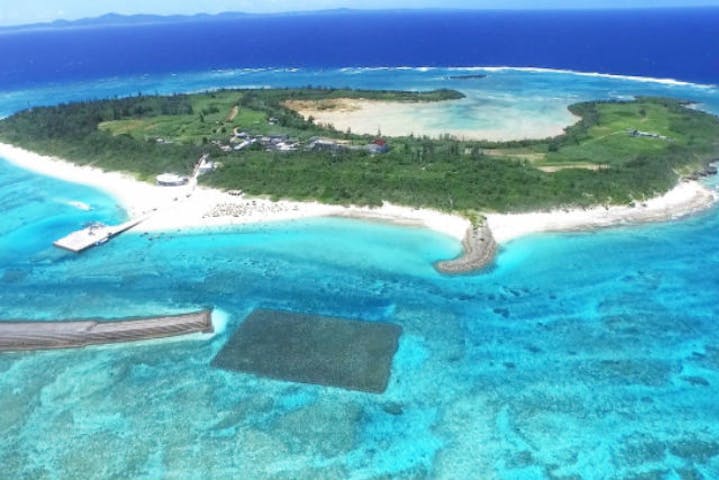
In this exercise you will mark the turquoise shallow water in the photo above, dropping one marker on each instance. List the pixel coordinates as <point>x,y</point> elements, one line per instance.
<point>592,355</point>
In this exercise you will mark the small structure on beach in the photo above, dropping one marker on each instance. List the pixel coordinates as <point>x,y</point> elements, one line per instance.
<point>171,180</point>
<point>336,352</point>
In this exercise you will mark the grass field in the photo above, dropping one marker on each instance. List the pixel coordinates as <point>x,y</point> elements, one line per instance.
<point>209,121</point>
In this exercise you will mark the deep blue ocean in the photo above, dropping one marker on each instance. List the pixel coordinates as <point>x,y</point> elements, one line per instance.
<point>590,355</point>
<point>663,43</point>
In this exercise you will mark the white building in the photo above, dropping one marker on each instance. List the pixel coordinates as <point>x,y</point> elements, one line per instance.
<point>171,180</point>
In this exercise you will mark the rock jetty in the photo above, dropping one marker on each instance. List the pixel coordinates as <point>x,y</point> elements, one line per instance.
<point>479,251</point>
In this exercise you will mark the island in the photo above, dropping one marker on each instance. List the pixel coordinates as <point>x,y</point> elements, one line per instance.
<point>476,76</point>
<point>256,147</point>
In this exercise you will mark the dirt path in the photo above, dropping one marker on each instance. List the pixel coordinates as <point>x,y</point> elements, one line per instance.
<point>233,113</point>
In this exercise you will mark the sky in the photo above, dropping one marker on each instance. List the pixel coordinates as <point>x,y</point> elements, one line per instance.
<point>18,12</point>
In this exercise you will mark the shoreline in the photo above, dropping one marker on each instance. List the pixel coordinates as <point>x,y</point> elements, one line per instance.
<point>685,199</point>
<point>197,207</point>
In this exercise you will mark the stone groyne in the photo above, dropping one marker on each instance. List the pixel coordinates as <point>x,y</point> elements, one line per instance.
<point>479,251</point>
<point>42,335</point>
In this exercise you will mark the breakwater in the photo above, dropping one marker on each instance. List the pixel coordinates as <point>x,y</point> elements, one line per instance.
<point>42,335</point>
<point>479,251</point>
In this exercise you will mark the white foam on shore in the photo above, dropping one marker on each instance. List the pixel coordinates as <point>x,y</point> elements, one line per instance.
<point>135,197</point>
<point>79,205</point>
<point>220,319</point>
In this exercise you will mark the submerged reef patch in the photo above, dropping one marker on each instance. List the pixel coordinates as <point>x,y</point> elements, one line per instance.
<point>349,354</point>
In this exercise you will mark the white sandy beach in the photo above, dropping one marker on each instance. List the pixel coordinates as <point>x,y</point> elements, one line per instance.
<point>174,208</point>
<point>687,198</point>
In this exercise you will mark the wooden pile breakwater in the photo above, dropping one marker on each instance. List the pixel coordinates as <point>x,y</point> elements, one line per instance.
<point>42,335</point>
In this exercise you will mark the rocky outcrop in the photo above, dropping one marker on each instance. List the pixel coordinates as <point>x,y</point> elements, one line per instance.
<point>479,251</point>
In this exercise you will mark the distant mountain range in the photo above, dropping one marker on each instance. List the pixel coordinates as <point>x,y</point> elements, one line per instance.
<point>118,20</point>
<point>114,19</point>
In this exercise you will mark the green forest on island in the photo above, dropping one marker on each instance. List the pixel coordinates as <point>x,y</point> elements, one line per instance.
<point>618,153</point>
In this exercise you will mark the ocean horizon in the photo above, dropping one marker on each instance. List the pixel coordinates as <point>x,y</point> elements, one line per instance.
<point>589,355</point>
<point>658,43</point>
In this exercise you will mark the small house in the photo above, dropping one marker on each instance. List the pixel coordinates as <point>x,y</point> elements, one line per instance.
<point>378,146</point>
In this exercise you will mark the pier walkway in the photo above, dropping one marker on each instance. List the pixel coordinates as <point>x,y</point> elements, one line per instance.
<point>99,233</point>
<point>41,335</point>
<point>94,235</point>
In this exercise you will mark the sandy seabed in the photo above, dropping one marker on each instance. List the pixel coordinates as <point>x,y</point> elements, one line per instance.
<point>396,119</point>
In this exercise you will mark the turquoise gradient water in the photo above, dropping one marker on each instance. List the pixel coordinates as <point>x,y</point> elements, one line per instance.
<point>588,355</point>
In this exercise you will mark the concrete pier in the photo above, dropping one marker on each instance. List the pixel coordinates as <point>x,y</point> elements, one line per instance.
<point>32,335</point>
<point>94,235</point>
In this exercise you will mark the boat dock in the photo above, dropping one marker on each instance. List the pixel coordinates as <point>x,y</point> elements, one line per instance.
<point>98,233</point>
<point>42,335</point>
<point>93,235</point>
